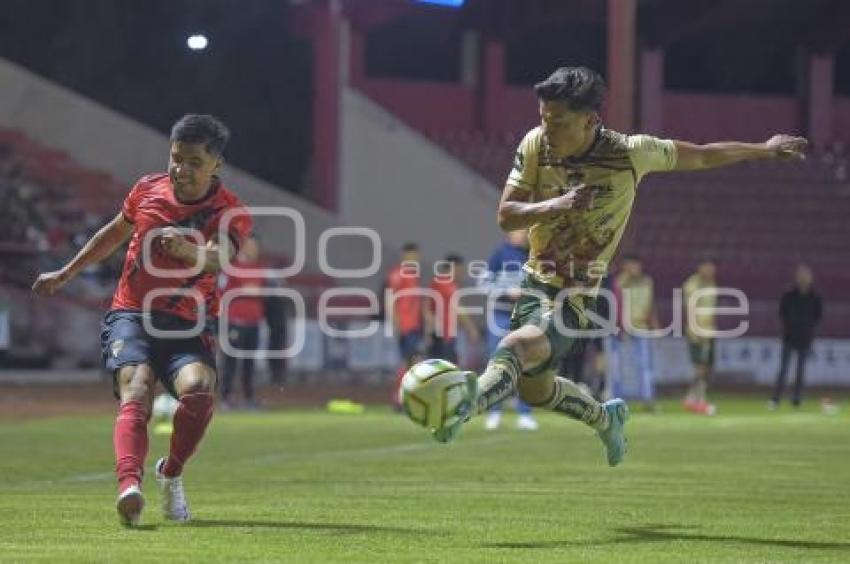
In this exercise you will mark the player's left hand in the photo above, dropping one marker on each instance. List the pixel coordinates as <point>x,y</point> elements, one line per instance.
<point>788,147</point>
<point>173,242</point>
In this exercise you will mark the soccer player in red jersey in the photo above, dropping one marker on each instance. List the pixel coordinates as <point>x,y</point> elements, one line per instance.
<point>445,317</point>
<point>168,284</point>
<point>244,316</point>
<point>403,281</point>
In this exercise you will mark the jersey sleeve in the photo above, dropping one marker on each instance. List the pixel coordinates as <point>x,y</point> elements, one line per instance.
<point>651,154</point>
<point>131,202</point>
<point>239,225</point>
<point>523,173</point>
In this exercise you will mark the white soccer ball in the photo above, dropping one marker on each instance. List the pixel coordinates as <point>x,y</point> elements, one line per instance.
<point>164,406</point>
<point>431,392</point>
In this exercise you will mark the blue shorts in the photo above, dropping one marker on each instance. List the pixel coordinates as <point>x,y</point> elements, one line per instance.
<point>409,345</point>
<point>124,342</point>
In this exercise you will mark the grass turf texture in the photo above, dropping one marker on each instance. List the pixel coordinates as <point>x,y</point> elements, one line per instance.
<point>304,486</point>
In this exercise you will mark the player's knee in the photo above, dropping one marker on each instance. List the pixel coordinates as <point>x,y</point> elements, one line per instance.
<point>531,348</point>
<point>197,386</point>
<point>136,383</point>
<point>195,379</point>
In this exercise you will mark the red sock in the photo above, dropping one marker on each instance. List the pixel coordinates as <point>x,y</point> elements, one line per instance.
<point>130,439</point>
<point>190,421</point>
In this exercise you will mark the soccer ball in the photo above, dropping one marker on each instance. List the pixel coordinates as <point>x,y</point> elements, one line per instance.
<point>431,392</point>
<point>164,407</point>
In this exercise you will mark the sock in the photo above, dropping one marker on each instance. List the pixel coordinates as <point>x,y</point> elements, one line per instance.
<point>572,401</point>
<point>130,440</point>
<point>499,380</point>
<point>190,421</point>
<point>702,387</point>
<point>696,391</point>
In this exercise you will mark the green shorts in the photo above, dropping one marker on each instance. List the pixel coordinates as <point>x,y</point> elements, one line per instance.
<point>702,352</point>
<point>539,307</point>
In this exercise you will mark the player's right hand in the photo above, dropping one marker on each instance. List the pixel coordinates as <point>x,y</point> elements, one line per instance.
<point>49,282</point>
<point>575,198</point>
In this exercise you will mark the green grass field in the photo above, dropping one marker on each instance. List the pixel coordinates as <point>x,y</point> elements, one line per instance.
<point>307,486</point>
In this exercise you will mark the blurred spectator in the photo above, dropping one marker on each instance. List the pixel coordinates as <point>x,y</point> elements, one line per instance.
<point>403,284</point>
<point>800,311</point>
<point>574,367</point>
<point>631,354</point>
<point>275,310</point>
<point>5,326</point>
<point>700,347</point>
<point>445,320</point>
<point>244,315</point>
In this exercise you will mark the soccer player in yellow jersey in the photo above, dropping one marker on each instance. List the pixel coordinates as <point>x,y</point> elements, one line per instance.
<point>700,319</point>
<point>631,349</point>
<point>572,186</point>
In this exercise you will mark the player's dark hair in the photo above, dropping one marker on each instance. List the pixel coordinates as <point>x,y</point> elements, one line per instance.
<point>453,258</point>
<point>202,128</point>
<point>631,257</point>
<point>445,266</point>
<point>581,88</point>
<point>407,247</point>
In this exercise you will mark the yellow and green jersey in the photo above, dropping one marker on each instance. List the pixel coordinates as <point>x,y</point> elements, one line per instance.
<point>574,249</point>
<point>639,300</point>
<point>704,320</point>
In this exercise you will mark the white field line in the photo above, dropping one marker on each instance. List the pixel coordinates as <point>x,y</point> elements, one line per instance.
<point>273,458</point>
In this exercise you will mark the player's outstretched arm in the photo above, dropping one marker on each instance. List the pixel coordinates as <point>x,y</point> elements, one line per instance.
<point>101,246</point>
<point>712,155</point>
<point>516,212</point>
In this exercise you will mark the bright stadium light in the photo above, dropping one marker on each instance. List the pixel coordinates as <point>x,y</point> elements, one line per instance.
<point>450,3</point>
<point>197,42</point>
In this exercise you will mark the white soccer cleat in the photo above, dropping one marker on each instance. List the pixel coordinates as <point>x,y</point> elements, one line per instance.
<point>129,505</point>
<point>526,423</point>
<point>174,506</point>
<point>494,418</point>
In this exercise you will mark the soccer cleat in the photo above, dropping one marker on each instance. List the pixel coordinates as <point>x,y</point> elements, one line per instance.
<point>463,411</point>
<point>129,505</point>
<point>526,423</point>
<point>614,437</point>
<point>174,506</point>
<point>705,408</point>
<point>494,418</point>
<point>699,407</point>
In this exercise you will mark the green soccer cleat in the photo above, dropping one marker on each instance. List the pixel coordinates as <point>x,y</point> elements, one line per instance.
<point>463,412</point>
<point>614,437</point>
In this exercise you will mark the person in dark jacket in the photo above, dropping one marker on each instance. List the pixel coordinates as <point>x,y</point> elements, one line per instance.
<point>800,311</point>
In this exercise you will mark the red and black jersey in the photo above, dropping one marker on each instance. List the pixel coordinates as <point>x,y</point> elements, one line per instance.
<point>152,204</point>
<point>246,309</point>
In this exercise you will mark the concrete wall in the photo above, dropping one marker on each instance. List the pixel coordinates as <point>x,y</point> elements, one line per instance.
<point>410,189</point>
